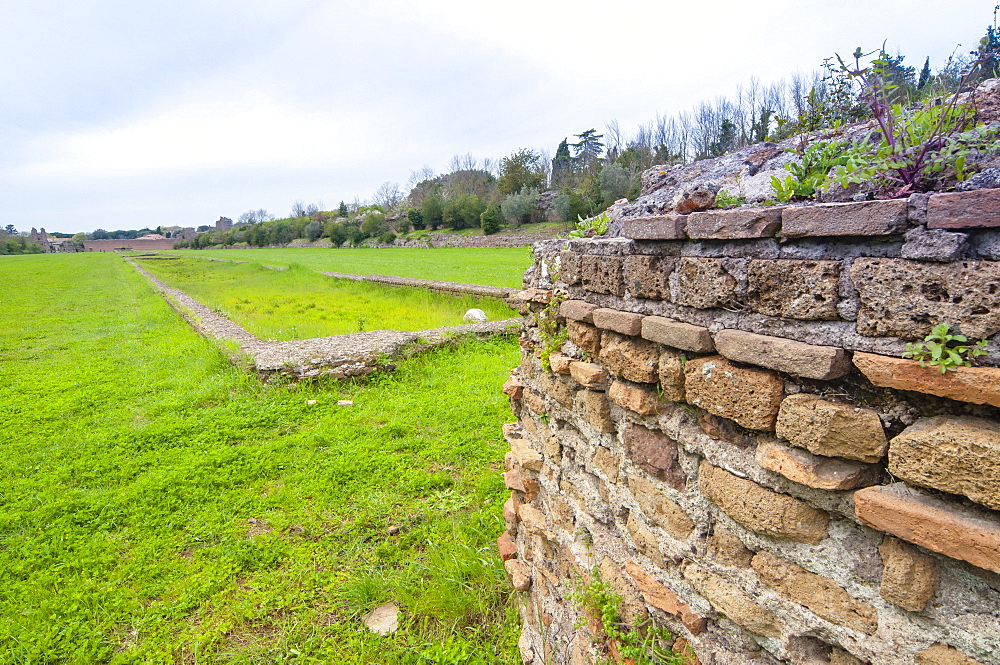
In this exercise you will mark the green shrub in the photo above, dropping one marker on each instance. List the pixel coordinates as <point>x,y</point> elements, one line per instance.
<point>519,208</point>
<point>489,220</point>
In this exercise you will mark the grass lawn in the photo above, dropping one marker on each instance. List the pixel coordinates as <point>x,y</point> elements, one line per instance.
<point>299,303</point>
<point>159,505</point>
<point>499,266</point>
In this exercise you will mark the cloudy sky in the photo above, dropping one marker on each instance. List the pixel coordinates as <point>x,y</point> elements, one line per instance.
<point>123,114</point>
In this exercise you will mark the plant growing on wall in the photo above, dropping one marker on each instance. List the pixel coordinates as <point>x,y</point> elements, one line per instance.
<point>594,226</point>
<point>810,174</point>
<point>944,351</point>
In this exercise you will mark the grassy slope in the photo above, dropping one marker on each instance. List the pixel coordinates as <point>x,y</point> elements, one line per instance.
<point>500,266</point>
<point>133,459</point>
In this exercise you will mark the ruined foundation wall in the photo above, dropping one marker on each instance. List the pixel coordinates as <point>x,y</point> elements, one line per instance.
<point>714,418</point>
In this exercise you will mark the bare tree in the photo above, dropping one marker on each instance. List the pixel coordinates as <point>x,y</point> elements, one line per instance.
<point>614,141</point>
<point>388,195</point>
<point>420,175</point>
<point>299,208</point>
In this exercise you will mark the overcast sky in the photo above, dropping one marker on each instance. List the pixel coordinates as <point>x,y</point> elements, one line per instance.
<point>123,114</point>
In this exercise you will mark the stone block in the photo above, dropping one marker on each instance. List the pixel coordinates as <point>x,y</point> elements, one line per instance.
<point>964,210</point>
<point>542,296</point>
<point>703,283</point>
<point>559,363</point>
<point>606,461</point>
<point>734,224</point>
<point>904,298</point>
<point>724,429</point>
<point>585,336</point>
<point>558,387</point>
<point>630,358</point>
<point>522,447</point>
<point>677,334</point>
<point>577,310</point>
<point>633,608</point>
<point>506,547</point>
<point>644,539</point>
<point>934,245</point>
<point>831,429</point>
<point>590,375</point>
<point>655,453</point>
<point>636,398</point>
<point>824,473</point>
<point>602,274</point>
<point>533,519</point>
<point>569,267</point>
<point>976,385</point>
<point>909,578</point>
<point>806,290</point>
<point>660,597</point>
<point>731,601</point>
<point>955,454</point>
<point>658,509</point>
<point>658,227</point>
<point>748,396</point>
<point>626,323</point>
<point>513,387</point>
<point>593,407</point>
<point>520,574</point>
<point>960,532</point>
<point>648,276</point>
<point>760,509</point>
<point>670,372</point>
<point>534,401</point>
<point>821,595</point>
<point>726,548</point>
<point>942,654</point>
<point>867,218</point>
<point>784,355</point>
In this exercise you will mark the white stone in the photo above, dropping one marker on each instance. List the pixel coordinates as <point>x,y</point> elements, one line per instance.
<point>344,402</point>
<point>475,316</point>
<point>384,619</point>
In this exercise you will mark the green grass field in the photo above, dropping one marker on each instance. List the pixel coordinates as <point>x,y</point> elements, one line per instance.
<point>501,266</point>
<point>299,303</point>
<point>158,505</point>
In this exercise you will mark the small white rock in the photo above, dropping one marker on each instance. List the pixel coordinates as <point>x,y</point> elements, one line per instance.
<point>344,402</point>
<point>310,402</point>
<point>383,620</point>
<point>475,316</point>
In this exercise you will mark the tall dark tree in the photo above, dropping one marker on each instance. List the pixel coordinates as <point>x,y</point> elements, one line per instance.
<point>589,147</point>
<point>925,74</point>
<point>562,165</point>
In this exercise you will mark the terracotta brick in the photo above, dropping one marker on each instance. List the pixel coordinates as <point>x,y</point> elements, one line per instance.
<point>569,267</point>
<point>957,531</point>
<point>534,401</point>
<point>520,574</point>
<point>750,397</point>
<point>593,407</point>
<point>867,218</point>
<point>658,227</point>
<point>825,473</point>
<point>626,323</point>
<point>734,224</point>
<point>559,363</point>
<point>506,547</point>
<point>831,429</point>
<point>590,375</point>
<point>955,454</point>
<point>577,310</point>
<point>733,602</point>
<point>660,597</point>
<point>821,595</point>
<point>976,385</point>
<point>636,398</point>
<point>677,334</point>
<point>603,274</point>
<point>630,358</point>
<point>585,336</point>
<point>784,355</point>
<point>760,509</point>
<point>704,283</point>
<point>513,387</point>
<point>670,372</point>
<point>964,210</point>
<point>510,514</point>
<point>658,509</point>
<point>648,276</point>
<point>909,578</point>
<point>807,290</point>
<point>655,453</point>
<point>942,654</point>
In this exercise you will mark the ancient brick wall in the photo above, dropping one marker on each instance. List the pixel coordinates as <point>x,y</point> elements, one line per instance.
<point>137,244</point>
<point>728,436</point>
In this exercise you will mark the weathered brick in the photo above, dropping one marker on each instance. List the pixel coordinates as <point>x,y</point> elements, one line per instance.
<point>644,539</point>
<point>948,528</point>
<point>704,283</point>
<point>534,295</point>
<point>506,547</point>
<point>748,396</point>
<point>635,398</point>
<point>577,310</point>
<point>760,509</point>
<point>821,595</point>
<point>977,385</point>
<point>658,227</point>
<point>905,298</point>
<point>569,267</point>
<point>867,218</point>
<point>725,547</point>
<point>794,289</point>
<point>533,519</point>
<point>626,323</point>
<point>659,596</point>
<point>648,276</point>
<point>733,602</point>
<point>630,358</point>
<point>724,429</point>
<point>784,355</point>
<point>590,375</point>
<point>522,447</point>
<point>979,208</point>
<point>585,336</point>
<point>534,401</point>
<point>831,429</point>
<point>677,334</point>
<point>734,224</point>
<point>942,654</point>
<point>670,372</point>
<point>955,454</point>
<point>510,513</point>
<point>513,387</point>
<point>603,274</point>
<point>655,453</point>
<point>909,578</point>
<point>606,461</point>
<point>593,407</point>
<point>558,387</point>
<point>660,510</point>
<point>520,574</point>
<point>825,473</point>
<point>559,363</point>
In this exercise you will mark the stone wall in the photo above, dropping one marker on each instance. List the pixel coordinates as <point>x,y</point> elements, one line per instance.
<point>137,244</point>
<point>714,419</point>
